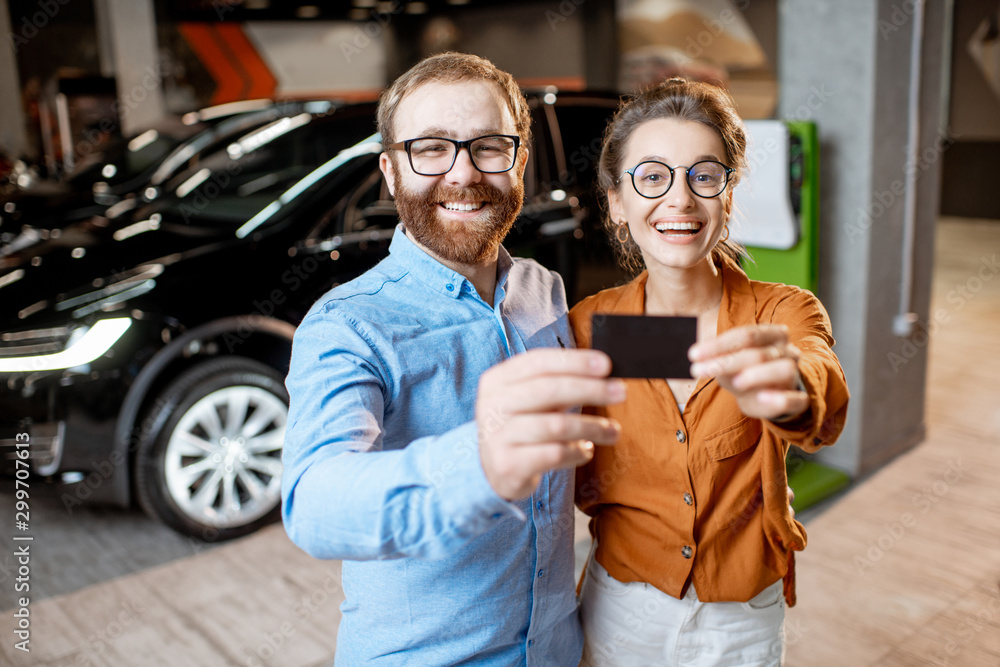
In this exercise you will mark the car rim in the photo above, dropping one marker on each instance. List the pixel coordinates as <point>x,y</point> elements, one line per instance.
<point>223,460</point>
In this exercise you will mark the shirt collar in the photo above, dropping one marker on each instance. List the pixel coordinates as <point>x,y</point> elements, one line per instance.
<point>738,307</point>
<point>435,274</point>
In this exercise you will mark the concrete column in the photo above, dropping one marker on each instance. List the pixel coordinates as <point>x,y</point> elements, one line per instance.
<point>128,28</point>
<point>600,45</point>
<point>845,65</point>
<point>13,134</point>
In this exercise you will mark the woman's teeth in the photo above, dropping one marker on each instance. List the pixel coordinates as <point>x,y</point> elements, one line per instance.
<point>686,227</point>
<point>461,206</point>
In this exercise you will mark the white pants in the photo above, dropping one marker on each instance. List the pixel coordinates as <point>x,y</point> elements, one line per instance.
<point>633,624</point>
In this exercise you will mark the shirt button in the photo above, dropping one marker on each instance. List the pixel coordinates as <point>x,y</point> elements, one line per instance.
<point>531,643</point>
<point>680,436</point>
<point>688,499</point>
<point>541,505</point>
<point>541,572</point>
<point>686,552</point>
<point>450,287</point>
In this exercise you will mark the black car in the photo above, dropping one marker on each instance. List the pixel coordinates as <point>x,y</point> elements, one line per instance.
<point>120,174</point>
<point>143,357</point>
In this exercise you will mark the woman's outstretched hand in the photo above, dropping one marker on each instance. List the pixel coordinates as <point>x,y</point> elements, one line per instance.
<point>758,366</point>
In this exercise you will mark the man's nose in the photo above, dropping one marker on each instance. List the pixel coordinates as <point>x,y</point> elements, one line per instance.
<point>463,172</point>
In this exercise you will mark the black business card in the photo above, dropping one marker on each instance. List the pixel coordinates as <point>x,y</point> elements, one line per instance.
<point>642,346</point>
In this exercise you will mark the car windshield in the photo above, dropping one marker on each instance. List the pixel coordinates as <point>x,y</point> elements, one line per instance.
<point>121,159</point>
<point>232,185</point>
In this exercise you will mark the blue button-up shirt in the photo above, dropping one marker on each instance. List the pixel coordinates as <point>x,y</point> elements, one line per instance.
<point>382,468</point>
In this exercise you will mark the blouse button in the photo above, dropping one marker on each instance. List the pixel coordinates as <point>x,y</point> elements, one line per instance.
<point>680,436</point>
<point>450,287</point>
<point>686,552</point>
<point>688,499</point>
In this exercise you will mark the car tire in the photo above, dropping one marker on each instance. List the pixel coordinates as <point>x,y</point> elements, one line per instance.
<point>209,463</point>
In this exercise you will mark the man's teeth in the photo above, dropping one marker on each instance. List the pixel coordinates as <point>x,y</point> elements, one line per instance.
<point>462,206</point>
<point>677,226</point>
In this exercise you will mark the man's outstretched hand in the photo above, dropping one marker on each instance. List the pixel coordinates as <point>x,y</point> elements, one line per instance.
<point>524,429</point>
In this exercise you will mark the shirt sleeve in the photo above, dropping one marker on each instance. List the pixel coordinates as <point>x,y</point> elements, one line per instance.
<point>823,378</point>
<point>343,496</point>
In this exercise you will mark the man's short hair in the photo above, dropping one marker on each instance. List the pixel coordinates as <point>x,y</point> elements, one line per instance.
<point>451,67</point>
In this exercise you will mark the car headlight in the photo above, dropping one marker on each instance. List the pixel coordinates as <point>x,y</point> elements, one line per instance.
<point>81,347</point>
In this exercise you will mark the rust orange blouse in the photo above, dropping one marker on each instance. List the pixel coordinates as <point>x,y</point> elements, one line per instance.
<point>701,496</point>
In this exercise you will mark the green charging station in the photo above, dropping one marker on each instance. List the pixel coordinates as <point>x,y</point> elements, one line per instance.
<point>780,230</point>
<point>796,265</point>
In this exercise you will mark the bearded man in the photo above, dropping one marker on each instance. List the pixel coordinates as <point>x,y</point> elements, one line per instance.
<point>426,445</point>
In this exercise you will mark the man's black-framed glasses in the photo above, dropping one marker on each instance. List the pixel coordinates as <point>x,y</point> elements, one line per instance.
<point>433,156</point>
<point>707,179</point>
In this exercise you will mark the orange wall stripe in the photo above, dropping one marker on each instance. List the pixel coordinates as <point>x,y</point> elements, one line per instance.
<point>261,81</point>
<point>560,82</point>
<point>228,82</point>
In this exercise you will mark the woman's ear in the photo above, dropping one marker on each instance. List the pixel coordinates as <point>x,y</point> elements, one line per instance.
<point>728,206</point>
<point>615,208</point>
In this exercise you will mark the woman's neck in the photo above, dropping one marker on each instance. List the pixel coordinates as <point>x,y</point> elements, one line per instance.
<point>688,291</point>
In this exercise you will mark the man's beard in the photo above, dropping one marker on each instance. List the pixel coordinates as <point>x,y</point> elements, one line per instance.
<point>470,242</point>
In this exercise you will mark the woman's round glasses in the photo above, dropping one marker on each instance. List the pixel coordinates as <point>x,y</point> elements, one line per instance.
<point>433,156</point>
<point>652,179</point>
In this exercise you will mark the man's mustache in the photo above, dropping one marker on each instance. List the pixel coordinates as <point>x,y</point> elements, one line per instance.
<point>477,192</point>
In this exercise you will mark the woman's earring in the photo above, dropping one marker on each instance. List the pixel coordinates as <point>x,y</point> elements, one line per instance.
<point>622,227</point>
<point>726,237</point>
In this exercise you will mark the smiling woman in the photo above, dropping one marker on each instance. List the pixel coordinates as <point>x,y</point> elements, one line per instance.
<point>690,508</point>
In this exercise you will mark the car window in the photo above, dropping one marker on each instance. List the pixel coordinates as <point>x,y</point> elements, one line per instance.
<point>541,155</point>
<point>189,152</point>
<point>581,128</point>
<point>236,183</point>
<point>364,206</point>
<point>126,161</point>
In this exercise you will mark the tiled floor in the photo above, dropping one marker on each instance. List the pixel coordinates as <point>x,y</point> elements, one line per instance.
<point>903,570</point>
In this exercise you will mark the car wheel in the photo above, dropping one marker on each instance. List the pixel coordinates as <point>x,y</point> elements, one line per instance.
<point>210,464</point>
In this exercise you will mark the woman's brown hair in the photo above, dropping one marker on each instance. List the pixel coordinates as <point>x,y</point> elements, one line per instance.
<point>681,99</point>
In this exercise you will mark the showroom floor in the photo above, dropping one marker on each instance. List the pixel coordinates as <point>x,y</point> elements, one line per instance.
<point>901,570</point>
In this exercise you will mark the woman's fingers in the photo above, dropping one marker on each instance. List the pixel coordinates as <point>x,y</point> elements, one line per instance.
<point>777,403</point>
<point>780,374</point>
<point>740,338</point>
<point>731,365</point>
